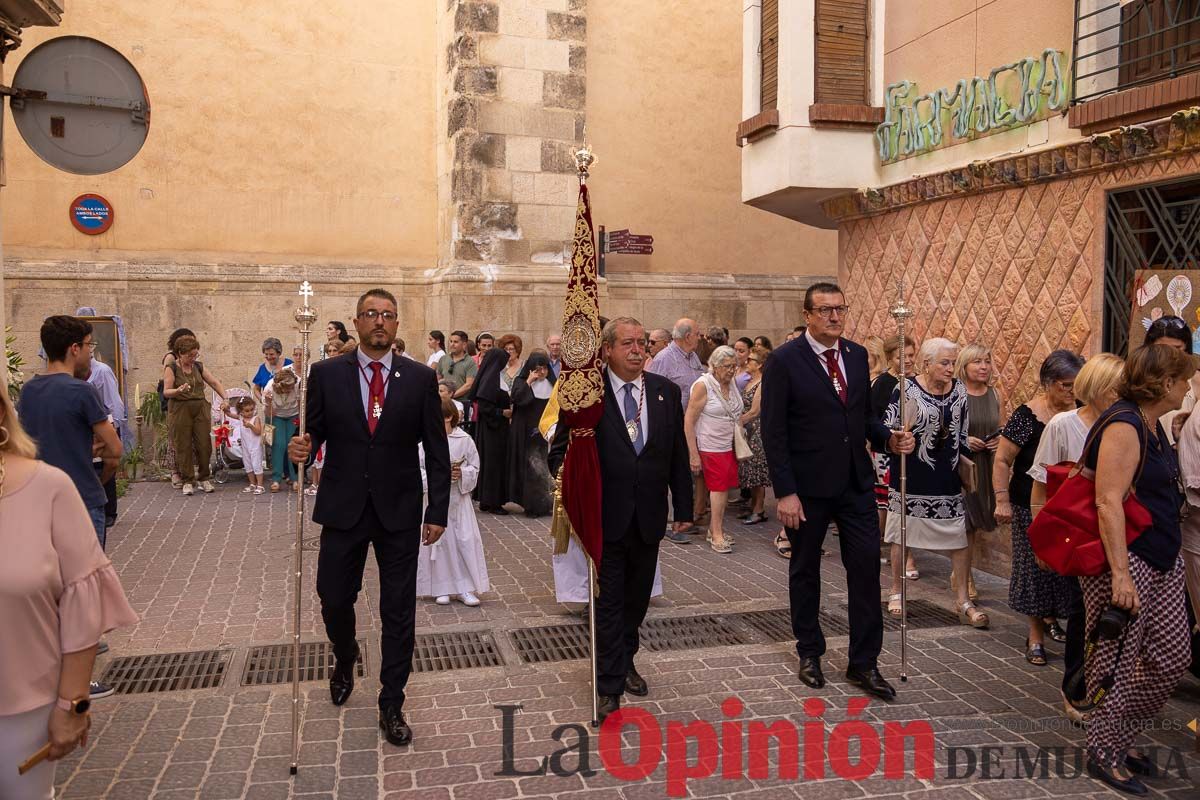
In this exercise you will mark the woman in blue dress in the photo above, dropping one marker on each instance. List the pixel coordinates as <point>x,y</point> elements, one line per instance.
<point>936,410</point>
<point>272,349</point>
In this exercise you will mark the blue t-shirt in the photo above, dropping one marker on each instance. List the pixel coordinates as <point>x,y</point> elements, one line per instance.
<point>264,375</point>
<point>58,411</point>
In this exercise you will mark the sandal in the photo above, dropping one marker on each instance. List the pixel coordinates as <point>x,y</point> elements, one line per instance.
<point>1035,654</point>
<point>753,518</point>
<point>978,619</point>
<point>894,608</point>
<point>783,546</point>
<point>723,547</point>
<point>311,491</point>
<point>912,574</point>
<point>248,490</point>
<point>259,490</point>
<point>274,487</point>
<point>1055,632</point>
<point>972,592</point>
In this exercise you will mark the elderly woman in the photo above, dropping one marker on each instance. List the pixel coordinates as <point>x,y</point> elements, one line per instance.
<point>937,405</point>
<point>1147,659</point>
<point>974,369</point>
<point>714,408</point>
<point>183,386</point>
<point>752,473</point>
<point>272,349</point>
<point>60,595</point>
<point>1040,595</point>
<point>282,401</point>
<point>1095,387</point>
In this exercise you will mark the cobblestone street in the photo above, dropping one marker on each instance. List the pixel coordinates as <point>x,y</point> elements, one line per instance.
<point>213,573</point>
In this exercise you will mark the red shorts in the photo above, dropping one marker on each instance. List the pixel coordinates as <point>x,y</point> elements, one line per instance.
<point>720,470</point>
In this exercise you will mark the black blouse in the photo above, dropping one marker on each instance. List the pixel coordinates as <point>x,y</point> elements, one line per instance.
<point>1024,430</point>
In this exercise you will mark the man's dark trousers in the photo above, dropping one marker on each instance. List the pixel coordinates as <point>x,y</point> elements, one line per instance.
<point>339,580</point>
<point>858,537</point>
<point>626,579</point>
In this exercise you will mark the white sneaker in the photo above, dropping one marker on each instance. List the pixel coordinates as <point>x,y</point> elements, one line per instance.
<point>443,600</point>
<point>207,487</point>
<point>469,599</point>
<point>188,490</point>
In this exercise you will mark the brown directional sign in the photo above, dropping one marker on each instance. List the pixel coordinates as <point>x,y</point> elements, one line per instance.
<point>632,249</point>
<point>627,243</point>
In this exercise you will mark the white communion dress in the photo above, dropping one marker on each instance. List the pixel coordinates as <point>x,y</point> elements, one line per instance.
<point>454,564</point>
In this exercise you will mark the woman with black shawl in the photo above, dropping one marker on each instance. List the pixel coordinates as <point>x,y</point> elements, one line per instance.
<point>491,432</point>
<point>528,473</point>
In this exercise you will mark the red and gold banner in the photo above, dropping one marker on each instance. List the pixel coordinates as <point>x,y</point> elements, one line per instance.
<point>580,386</point>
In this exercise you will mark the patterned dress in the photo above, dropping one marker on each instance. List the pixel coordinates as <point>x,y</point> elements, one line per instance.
<point>1031,591</point>
<point>752,473</point>
<point>934,505</point>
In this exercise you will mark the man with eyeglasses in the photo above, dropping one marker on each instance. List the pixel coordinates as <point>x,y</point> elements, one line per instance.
<point>372,411</point>
<point>816,423</point>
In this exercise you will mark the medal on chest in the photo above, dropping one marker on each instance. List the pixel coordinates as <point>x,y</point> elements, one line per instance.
<point>837,385</point>
<point>632,428</point>
<point>376,407</point>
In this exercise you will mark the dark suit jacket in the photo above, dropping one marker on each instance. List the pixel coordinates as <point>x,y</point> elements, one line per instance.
<point>384,467</point>
<point>815,445</point>
<point>637,484</point>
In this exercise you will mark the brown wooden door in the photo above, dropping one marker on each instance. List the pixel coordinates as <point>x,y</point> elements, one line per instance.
<point>842,51</point>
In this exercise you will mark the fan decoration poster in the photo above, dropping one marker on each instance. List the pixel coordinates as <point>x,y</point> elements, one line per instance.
<point>1163,292</point>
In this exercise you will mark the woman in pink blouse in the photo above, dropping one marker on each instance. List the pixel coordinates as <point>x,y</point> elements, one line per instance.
<point>58,595</point>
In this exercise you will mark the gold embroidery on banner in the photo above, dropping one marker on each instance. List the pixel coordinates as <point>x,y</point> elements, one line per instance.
<point>581,386</point>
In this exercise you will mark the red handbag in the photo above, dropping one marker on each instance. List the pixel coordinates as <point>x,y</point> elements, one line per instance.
<point>1066,532</point>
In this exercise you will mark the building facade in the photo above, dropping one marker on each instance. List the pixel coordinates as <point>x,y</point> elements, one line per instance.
<point>422,145</point>
<point>1022,167</point>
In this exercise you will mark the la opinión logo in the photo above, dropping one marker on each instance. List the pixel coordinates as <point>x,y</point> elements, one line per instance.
<point>853,749</point>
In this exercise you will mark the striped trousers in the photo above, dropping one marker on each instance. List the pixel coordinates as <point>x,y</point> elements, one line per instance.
<point>1156,654</point>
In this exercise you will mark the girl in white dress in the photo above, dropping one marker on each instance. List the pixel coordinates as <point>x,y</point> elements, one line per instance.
<point>454,564</point>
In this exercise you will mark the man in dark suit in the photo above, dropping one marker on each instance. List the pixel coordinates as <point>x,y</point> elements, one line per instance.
<point>643,453</point>
<point>371,410</point>
<point>816,424</point>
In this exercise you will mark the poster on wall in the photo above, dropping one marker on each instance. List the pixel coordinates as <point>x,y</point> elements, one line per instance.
<point>1163,292</point>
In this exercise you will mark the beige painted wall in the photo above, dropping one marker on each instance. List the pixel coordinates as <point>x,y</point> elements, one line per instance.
<point>305,129</point>
<point>936,43</point>
<point>663,102</point>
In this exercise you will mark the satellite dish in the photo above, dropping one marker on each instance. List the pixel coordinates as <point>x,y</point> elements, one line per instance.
<point>80,105</point>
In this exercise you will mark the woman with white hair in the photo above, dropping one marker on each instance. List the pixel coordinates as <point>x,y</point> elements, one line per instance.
<point>936,411</point>
<point>714,409</point>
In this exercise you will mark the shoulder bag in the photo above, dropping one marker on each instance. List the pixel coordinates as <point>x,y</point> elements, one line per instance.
<point>1065,535</point>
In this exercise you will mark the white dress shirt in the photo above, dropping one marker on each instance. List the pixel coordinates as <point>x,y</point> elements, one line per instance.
<point>820,349</point>
<point>364,380</point>
<point>639,385</point>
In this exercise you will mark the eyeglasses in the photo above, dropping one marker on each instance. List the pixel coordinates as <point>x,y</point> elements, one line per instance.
<point>825,312</point>
<point>89,345</point>
<point>1066,386</point>
<point>372,314</point>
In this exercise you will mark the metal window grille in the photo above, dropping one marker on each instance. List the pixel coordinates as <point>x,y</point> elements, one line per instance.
<point>1121,44</point>
<point>1150,227</point>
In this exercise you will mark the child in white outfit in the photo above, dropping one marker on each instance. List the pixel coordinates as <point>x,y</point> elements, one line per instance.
<point>252,444</point>
<point>454,565</point>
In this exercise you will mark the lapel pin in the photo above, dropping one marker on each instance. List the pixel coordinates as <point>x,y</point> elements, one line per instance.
<point>397,374</point>
<point>660,398</point>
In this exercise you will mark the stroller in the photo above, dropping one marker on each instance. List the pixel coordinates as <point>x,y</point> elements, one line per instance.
<point>227,437</point>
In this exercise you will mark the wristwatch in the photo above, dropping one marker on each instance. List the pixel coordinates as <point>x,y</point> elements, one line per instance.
<point>79,706</point>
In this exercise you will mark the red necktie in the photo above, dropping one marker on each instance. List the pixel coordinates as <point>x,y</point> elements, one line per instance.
<point>835,372</point>
<point>375,397</point>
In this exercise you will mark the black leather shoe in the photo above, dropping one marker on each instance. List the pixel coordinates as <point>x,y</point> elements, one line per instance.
<point>1141,765</point>
<point>395,728</point>
<point>810,672</point>
<point>1105,775</point>
<point>635,684</point>
<point>341,680</point>
<point>871,682</point>
<point>608,704</point>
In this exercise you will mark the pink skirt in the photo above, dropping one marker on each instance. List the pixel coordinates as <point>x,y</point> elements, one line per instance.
<point>720,470</point>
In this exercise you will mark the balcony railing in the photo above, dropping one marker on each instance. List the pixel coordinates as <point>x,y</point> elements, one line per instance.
<point>1121,44</point>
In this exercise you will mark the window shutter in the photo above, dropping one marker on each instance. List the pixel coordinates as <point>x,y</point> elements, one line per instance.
<point>841,52</point>
<point>769,47</point>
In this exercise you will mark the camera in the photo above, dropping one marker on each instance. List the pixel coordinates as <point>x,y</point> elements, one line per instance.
<point>1112,623</point>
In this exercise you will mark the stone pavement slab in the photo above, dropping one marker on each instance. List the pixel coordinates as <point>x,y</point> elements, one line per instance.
<point>215,572</point>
